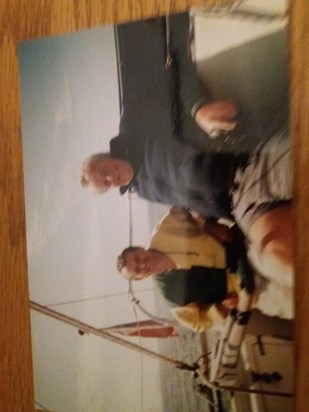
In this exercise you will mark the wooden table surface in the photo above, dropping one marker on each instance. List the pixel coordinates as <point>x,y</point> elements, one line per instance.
<point>25,19</point>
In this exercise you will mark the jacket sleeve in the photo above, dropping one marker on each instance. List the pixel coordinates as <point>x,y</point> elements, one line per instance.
<point>197,318</point>
<point>188,88</point>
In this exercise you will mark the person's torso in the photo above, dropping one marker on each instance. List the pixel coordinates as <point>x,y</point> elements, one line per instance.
<point>187,247</point>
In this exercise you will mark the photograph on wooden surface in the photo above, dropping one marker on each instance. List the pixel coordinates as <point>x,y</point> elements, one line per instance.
<point>158,191</point>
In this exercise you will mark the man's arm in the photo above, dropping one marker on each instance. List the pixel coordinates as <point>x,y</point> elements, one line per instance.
<point>216,117</point>
<point>193,222</point>
<point>217,230</point>
<point>213,117</point>
<point>211,226</point>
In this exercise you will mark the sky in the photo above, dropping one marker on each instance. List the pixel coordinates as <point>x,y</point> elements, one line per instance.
<point>70,109</point>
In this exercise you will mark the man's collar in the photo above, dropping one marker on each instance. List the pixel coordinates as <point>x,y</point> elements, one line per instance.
<point>123,189</point>
<point>129,187</point>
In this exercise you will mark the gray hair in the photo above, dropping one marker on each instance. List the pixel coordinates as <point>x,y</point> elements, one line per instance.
<point>121,260</point>
<point>88,165</point>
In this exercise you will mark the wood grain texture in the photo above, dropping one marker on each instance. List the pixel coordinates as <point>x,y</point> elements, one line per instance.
<point>299,72</point>
<point>25,19</point>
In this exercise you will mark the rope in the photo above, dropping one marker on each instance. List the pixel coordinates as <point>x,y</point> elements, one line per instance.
<point>136,302</point>
<point>169,58</point>
<point>216,386</point>
<point>69,302</point>
<point>141,358</point>
<point>104,334</point>
<point>130,218</point>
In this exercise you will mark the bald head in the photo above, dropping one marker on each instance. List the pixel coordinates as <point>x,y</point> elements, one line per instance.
<point>137,263</point>
<point>103,172</point>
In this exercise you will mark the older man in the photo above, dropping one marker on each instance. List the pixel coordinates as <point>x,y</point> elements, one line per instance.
<point>169,172</point>
<point>256,193</point>
<point>189,266</point>
<point>168,108</point>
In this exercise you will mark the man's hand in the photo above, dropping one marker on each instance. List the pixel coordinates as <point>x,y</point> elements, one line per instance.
<point>217,117</point>
<point>218,231</point>
<point>231,301</point>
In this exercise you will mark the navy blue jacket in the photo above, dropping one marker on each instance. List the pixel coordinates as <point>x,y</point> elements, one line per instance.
<point>174,161</point>
<point>156,120</point>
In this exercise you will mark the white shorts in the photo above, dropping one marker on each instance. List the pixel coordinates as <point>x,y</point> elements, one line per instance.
<point>264,183</point>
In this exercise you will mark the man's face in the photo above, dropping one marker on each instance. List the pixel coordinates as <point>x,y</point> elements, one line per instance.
<point>109,173</point>
<point>139,264</point>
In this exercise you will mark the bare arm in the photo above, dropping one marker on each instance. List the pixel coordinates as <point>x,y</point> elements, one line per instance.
<point>216,117</point>
<point>217,230</point>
